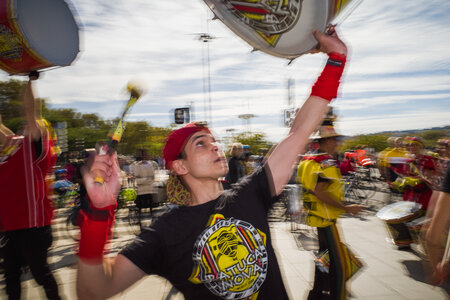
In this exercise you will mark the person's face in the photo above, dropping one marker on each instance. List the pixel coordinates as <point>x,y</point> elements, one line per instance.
<point>414,148</point>
<point>329,145</point>
<point>203,158</point>
<point>239,152</point>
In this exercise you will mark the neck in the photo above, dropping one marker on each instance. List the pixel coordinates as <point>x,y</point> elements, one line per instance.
<point>203,191</point>
<point>324,150</point>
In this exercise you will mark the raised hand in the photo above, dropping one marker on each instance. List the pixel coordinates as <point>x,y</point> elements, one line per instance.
<point>102,195</point>
<point>330,42</point>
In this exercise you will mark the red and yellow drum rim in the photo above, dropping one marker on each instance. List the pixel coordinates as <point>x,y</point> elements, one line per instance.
<point>25,61</point>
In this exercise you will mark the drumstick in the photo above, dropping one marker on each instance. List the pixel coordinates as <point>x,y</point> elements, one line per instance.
<point>110,147</point>
<point>345,13</point>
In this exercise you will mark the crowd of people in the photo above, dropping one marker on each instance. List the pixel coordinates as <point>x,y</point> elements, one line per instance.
<point>213,241</point>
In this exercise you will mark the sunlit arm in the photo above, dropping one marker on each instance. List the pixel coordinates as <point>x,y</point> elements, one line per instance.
<point>320,191</point>
<point>283,158</point>
<point>102,281</point>
<point>308,118</point>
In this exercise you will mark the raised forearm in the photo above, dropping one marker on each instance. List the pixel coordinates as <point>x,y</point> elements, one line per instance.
<point>30,112</point>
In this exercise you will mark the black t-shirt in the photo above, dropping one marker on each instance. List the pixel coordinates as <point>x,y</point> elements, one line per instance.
<point>445,187</point>
<point>217,250</point>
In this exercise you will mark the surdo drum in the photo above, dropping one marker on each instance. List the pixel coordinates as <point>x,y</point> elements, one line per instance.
<point>282,28</point>
<point>397,216</point>
<point>36,34</point>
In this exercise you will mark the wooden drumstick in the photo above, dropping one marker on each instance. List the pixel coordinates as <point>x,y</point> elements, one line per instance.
<point>110,147</point>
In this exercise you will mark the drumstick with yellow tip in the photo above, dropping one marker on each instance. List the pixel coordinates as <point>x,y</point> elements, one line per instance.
<point>136,92</point>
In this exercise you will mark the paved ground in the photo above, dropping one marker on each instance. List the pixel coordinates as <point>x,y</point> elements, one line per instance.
<point>388,273</point>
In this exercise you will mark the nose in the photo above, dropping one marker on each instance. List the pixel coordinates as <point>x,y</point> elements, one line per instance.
<point>216,146</point>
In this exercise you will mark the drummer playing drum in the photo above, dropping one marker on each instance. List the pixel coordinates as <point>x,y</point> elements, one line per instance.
<point>217,245</point>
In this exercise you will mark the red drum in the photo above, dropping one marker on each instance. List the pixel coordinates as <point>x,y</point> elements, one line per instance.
<point>279,27</point>
<point>36,34</point>
<point>396,216</point>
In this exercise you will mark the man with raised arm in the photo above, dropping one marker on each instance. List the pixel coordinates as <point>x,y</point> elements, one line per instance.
<point>25,208</point>
<point>216,244</point>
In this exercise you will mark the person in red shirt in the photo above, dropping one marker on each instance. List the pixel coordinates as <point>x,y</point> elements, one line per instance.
<point>25,209</point>
<point>423,168</point>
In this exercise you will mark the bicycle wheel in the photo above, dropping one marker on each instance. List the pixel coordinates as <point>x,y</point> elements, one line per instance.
<point>354,193</point>
<point>369,187</point>
<point>134,220</point>
<point>72,230</point>
<point>3,240</point>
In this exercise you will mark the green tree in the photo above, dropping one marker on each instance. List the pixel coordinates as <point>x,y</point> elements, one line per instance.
<point>11,103</point>
<point>430,137</point>
<point>256,141</point>
<point>375,141</point>
<point>140,135</point>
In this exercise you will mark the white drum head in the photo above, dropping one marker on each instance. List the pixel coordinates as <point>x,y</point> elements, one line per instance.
<point>398,210</point>
<point>275,34</point>
<point>49,28</point>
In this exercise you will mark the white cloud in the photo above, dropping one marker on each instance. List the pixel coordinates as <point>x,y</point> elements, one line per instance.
<point>398,56</point>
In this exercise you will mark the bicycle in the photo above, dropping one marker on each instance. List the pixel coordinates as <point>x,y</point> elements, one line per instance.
<point>353,189</point>
<point>3,242</point>
<point>72,229</point>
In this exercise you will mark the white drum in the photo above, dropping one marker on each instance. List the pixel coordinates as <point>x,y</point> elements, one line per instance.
<point>278,27</point>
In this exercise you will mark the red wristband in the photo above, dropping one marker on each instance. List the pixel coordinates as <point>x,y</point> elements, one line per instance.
<point>95,227</point>
<point>327,84</point>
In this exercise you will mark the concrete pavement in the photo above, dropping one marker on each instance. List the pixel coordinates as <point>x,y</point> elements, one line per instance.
<point>388,273</point>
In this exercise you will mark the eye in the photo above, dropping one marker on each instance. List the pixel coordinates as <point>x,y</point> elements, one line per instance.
<point>200,143</point>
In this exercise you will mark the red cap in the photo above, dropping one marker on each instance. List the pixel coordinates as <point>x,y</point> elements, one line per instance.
<point>177,140</point>
<point>413,139</point>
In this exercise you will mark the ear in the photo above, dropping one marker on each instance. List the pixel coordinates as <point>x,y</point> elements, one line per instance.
<point>179,167</point>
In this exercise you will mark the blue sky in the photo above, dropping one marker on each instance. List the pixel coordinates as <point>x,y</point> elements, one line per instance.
<point>398,75</point>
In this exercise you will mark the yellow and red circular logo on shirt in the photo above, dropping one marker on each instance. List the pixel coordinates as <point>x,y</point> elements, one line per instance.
<point>230,258</point>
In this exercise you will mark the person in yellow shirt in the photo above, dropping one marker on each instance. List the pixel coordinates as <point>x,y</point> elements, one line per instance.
<point>323,196</point>
<point>383,165</point>
<point>397,161</point>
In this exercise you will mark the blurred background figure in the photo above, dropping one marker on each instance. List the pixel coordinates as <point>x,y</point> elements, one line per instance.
<point>25,208</point>
<point>61,186</point>
<point>247,160</point>
<point>143,172</point>
<point>420,175</point>
<point>443,151</point>
<point>236,169</point>
<point>347,164</point>
<point>324,202</point>
<point>382,163</point>
<point>396,159</point>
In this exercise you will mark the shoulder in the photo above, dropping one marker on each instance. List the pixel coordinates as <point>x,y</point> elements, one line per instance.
<point>323,159</point>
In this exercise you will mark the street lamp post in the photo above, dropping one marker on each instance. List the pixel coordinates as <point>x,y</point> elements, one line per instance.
<point>246,118</point>
<point>207,38</point>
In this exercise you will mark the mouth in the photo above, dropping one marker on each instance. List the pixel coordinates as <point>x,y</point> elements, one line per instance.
<point>220,159</point>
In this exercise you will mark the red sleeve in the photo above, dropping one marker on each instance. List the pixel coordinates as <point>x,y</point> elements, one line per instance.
<point>429,163</point>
